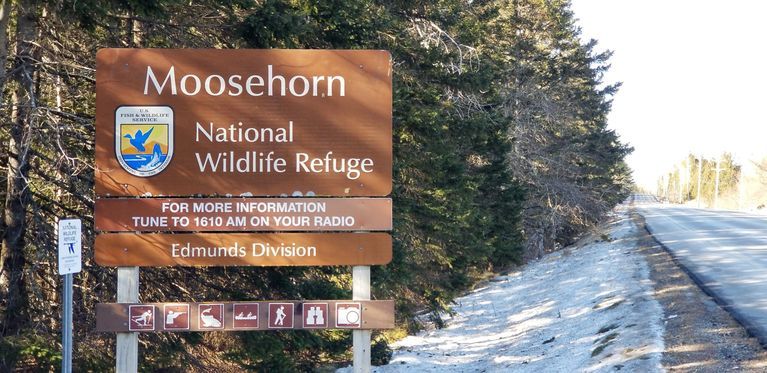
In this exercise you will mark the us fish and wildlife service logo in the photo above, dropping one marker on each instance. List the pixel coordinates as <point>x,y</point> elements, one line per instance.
<point>144,138</point>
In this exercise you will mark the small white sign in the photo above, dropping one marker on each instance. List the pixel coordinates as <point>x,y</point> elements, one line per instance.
<point>70,246</point>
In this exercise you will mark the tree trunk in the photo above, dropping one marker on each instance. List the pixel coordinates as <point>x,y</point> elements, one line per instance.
<point>4,15</point>
<point>12,274</point>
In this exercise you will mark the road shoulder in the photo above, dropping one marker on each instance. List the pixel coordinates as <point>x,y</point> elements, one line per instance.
<point>700,336</point>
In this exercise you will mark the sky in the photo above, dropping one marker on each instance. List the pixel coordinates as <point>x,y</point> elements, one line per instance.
<point>694,77</point>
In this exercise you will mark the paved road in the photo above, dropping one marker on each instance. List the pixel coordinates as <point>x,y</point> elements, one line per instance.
<point>725,250</point>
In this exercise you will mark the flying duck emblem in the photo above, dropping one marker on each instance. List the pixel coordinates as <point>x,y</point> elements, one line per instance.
<point>144,139</point>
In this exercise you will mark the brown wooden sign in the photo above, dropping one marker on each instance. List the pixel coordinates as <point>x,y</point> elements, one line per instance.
<point>242,214</point>
<point>184,122</point>
<point>242,249</point>
<point>243,316</point>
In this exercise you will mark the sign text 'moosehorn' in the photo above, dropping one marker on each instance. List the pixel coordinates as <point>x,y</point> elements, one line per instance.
<point>254,85</point>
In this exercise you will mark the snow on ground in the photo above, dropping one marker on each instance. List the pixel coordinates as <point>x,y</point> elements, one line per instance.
<point>551,316</point>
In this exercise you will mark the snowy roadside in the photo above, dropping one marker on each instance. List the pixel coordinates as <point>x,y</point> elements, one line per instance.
<point>587,308</point>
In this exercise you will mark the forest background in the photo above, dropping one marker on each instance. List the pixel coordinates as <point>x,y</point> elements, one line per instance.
<point>501,149</point>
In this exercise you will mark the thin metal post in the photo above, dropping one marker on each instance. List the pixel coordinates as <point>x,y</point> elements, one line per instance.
<point>66,325</point>
<point>679,183</point>
<point>127,343</point>
<point>361,338</point>
<point>700,171</point>
<point>716,183</point>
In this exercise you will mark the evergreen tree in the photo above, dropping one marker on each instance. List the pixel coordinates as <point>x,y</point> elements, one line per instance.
<point>500,145</point>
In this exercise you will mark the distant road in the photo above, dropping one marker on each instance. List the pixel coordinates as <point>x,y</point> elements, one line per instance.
<point>725,250</point>
<point>643,199</point>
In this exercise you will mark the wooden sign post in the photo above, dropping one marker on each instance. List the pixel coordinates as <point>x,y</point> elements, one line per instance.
<point>361,338</point>
<point>127,342</point>
<point>200,162</point>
